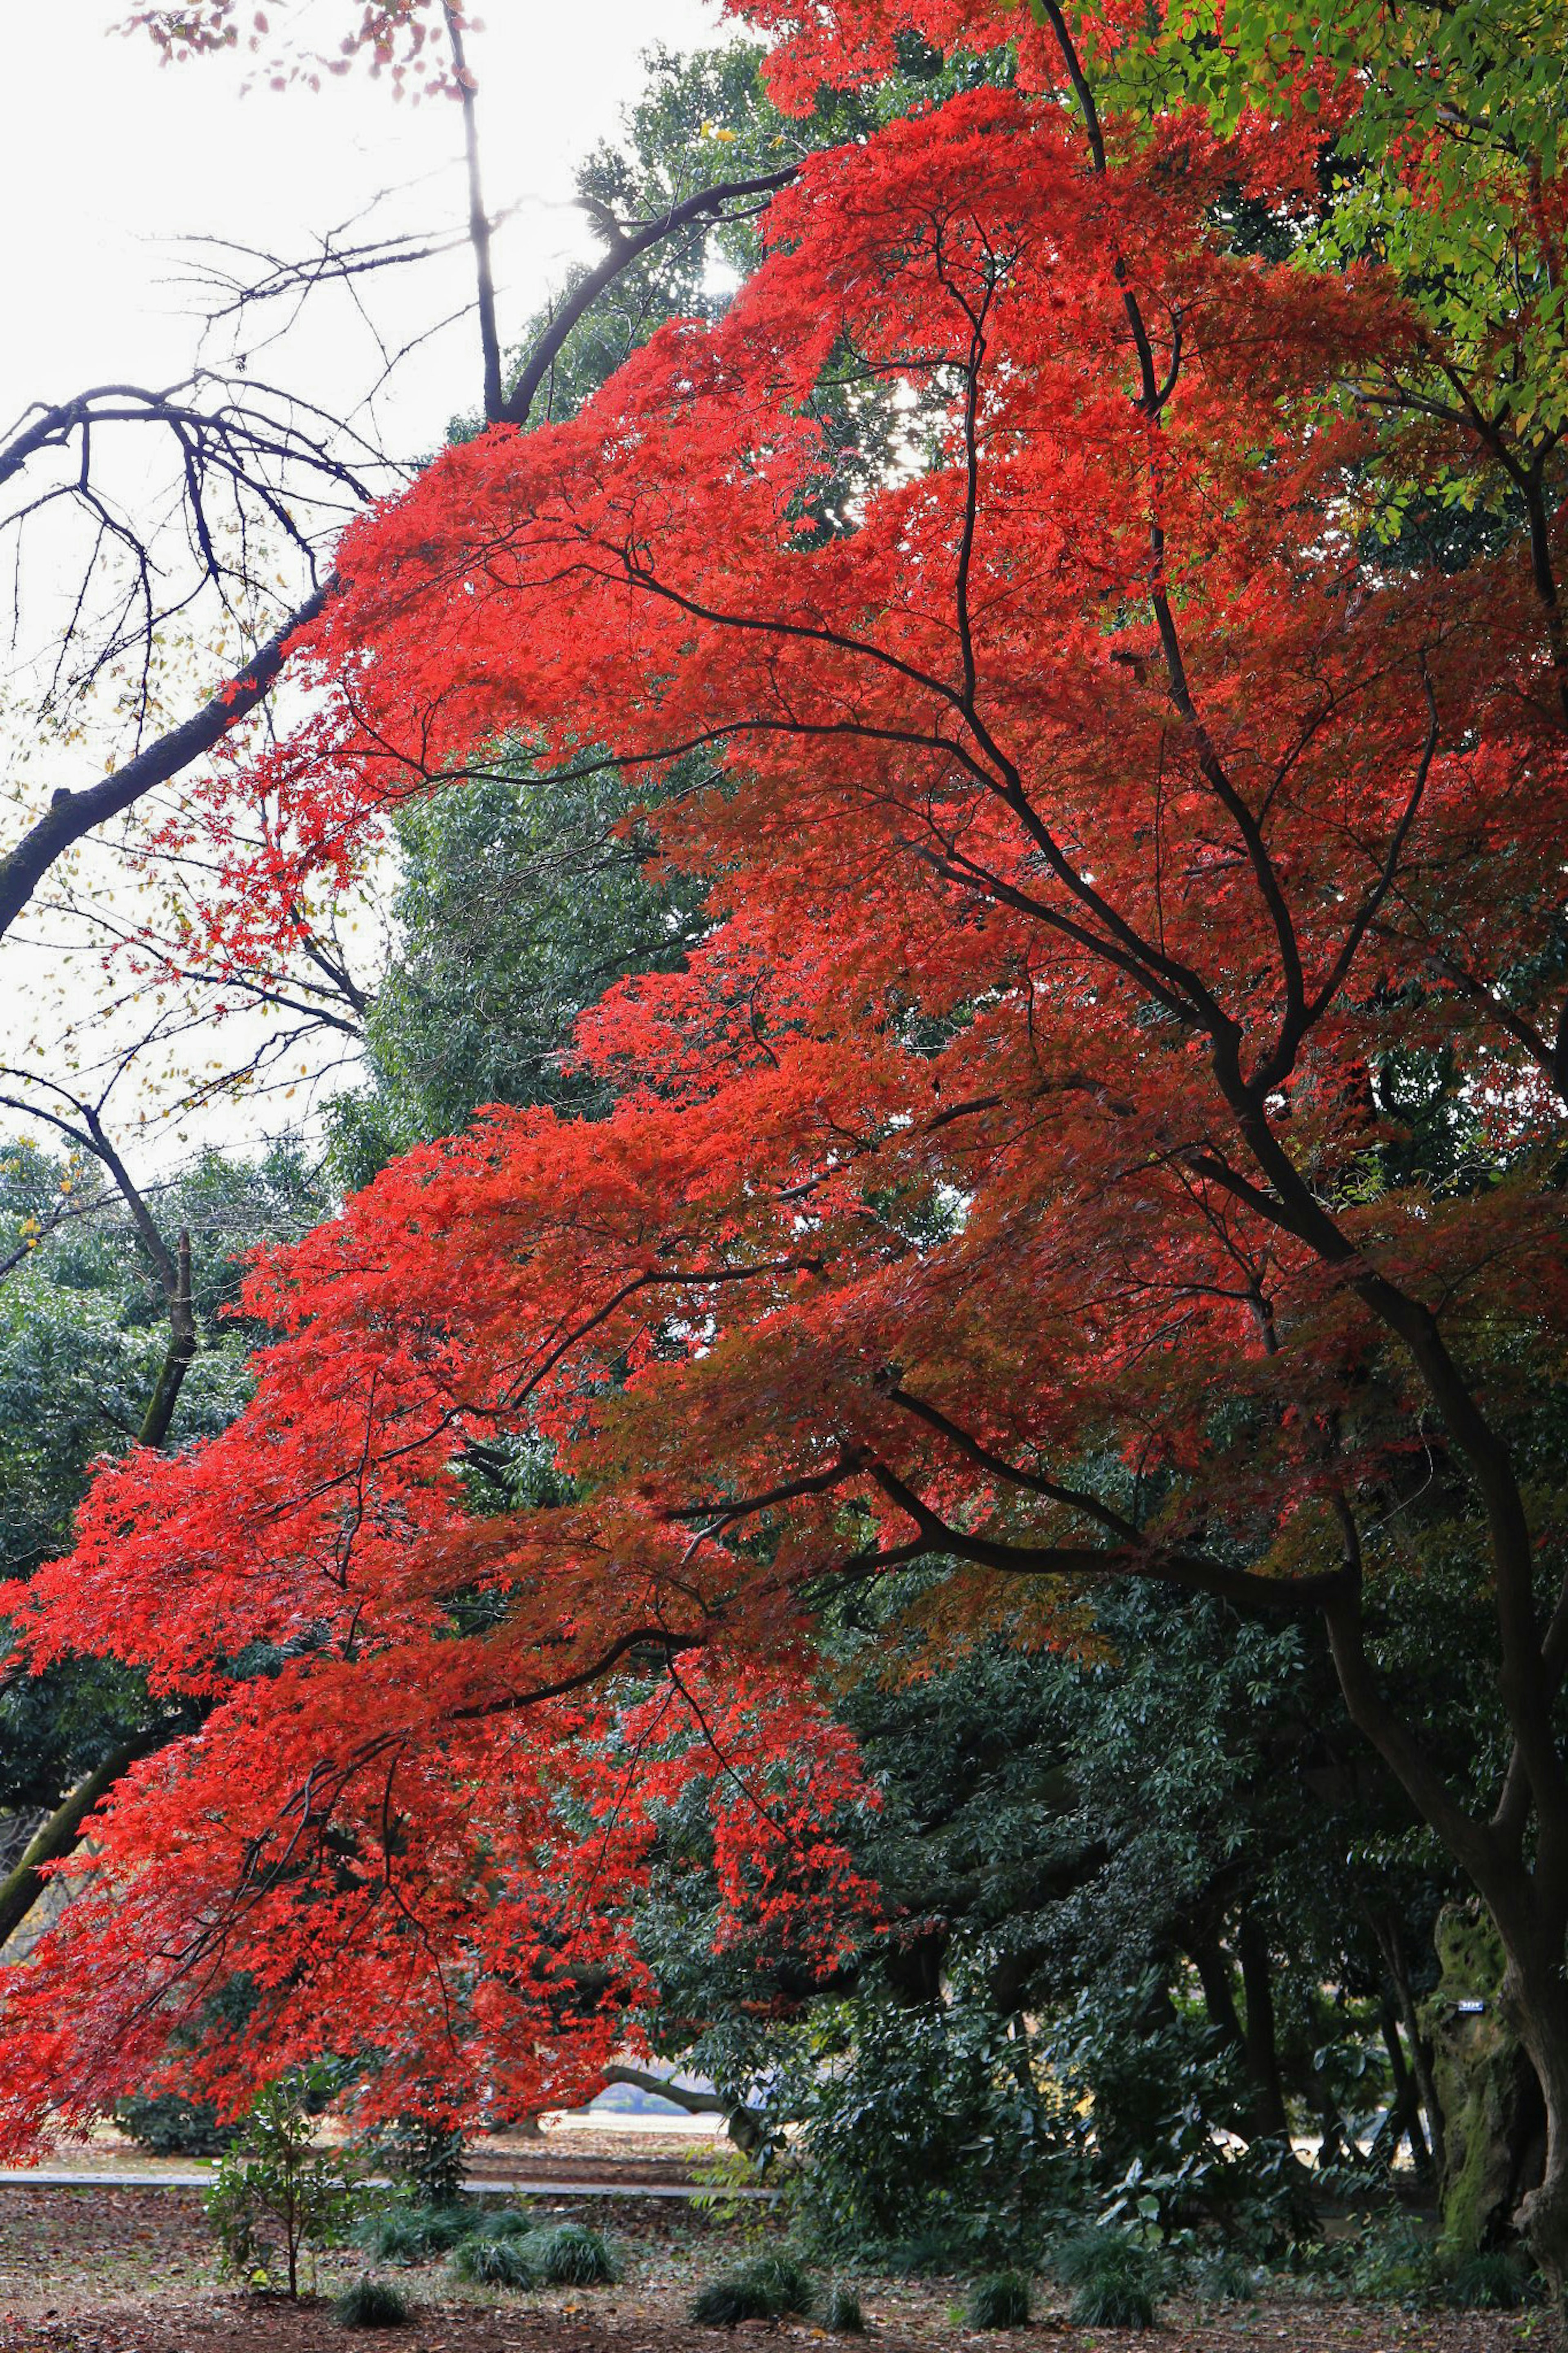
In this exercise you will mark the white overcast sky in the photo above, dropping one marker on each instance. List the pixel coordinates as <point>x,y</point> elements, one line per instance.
<point>108,160</point>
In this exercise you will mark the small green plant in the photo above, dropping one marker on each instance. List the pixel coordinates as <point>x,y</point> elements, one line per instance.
<point>844,2317</point>
<point>411,2235</point>
<point>276,2197</point>
<point>371,2304</point>
<point>493,2263</point>
<point>498,2222</point>
<point>571,2255</point>
<point>723,2174</point>
<point>427,2159</point>
<point>1225,2278</point>
<point>1491,2282</point>
<point>1116,2278</point>
<point>1395,2259</point>
<point>1000,2300</point>
<point>762,2290</point>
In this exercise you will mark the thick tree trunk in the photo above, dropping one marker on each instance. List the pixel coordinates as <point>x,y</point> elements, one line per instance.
<point>1535,1998</point>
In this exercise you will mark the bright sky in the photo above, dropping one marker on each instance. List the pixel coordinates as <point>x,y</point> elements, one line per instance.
<point>108,159</point>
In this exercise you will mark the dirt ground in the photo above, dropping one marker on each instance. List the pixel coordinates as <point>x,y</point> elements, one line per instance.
<point>131,2271</point>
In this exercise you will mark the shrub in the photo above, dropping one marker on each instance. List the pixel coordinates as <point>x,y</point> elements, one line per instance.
<point>764,2290</point>
<point>412,2234</point>
<point>426,2158</point>
<point>169,2126</point>
<point>276,2198</point>
<point>1225,2279</point>
<point>494,2263</point>
<point>1115,2277</point>
<point>1494,2282</point>
<point>371,2304</point>
<point>499,2222</point>
<point>571,2255</point>
<point>919,2131</point>
<point>1000,2300</point>
<point>844,2317</point>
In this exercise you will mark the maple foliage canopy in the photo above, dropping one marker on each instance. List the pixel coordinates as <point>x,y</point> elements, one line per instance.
<point>1002,1184</point>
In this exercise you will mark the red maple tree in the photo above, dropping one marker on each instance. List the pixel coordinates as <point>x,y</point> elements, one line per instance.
<point>1007,1181</point>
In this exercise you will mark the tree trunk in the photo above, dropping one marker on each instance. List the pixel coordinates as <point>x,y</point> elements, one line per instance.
<point>1403,2121</point>
<point>62,1833</point>
<point>178,1358</point>
<point>1491,2108</point>
<point>1258,2033</point>
<point>1391,1945</point>
<point>1534,1997</point>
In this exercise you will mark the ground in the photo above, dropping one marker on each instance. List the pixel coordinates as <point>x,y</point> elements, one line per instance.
<point>118,2269</point>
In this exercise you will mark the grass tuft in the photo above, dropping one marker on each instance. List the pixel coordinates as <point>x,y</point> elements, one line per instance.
<point>1493,2282</point>
<point>502,2223</point>
<point>763,2290</point>
<point>572,2255</point>
<point>412,2234</point>
<point>1115,2278</point>
<point>844,2317</point>
<point>494,2263</point>
<point>1000,2300</point>
<point>1225,2279</point>
<point>371,2304</point>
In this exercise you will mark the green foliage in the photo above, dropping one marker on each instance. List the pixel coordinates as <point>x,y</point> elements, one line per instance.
<point>486,2261</point>
<point>82,1339</point>
<point>171,2126</point>
<point>843,2316</point>
<point>999,2300</point>
<point>426,2158</point>
<point>1225,2278</point>
<point>1116,2278</point>
<point>372,2303</point>
<point>928,2123</point>
<point>1475,90</point>
<point>1496,2280</point>
<point>1067,1830</point>
<point>764,2290</point>
<point>571,2255</point>
<point>277,2198</point>
<point>521,903</point>
<point>1394,2258</point>
<point>411,2235</point>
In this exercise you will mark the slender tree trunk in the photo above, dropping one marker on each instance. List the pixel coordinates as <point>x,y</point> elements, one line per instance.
<point>1213,1964</point>
<point>1405,2108</point>
<point>1392,1946</point>
<point>1258,2033</point>
<point>179,1355</point>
